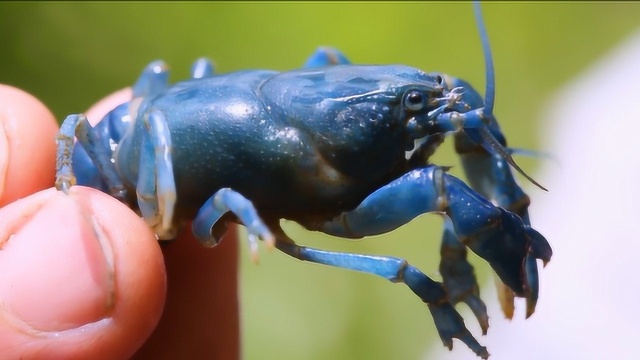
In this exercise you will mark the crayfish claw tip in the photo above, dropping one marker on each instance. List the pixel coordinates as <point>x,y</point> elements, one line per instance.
<point>480,350</point>
<point>64,183</point>
<point>448,343</point>
<point>531,308</point>
<point>253,248</point>
<point>484,325</point>
<point>485,355</point>
<point>255,258</point>
<point>479,309</point>
<point>270,242</point>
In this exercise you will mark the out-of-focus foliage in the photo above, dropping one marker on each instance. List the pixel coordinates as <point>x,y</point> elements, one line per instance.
<point>71,54</point>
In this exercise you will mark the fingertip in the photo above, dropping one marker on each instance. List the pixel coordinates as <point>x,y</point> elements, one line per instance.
<point>27,146</point>
<point>141,283</point>
<point>94,284</point>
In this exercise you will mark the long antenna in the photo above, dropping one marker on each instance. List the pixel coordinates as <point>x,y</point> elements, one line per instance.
<point>490,143</point>
<point>490,92</point>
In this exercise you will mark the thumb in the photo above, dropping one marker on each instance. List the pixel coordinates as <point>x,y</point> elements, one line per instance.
<point>82,277</point>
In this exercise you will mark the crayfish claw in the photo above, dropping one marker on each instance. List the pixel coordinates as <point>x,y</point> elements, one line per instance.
<point>506,298</point>
<point>450,325</point>
<point>532,284</point>
<point>479,309</point>
<point>459,278</point>
<point>540,248</point>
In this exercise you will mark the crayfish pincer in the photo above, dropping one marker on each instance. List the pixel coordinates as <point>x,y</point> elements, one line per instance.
<point>339,148</point>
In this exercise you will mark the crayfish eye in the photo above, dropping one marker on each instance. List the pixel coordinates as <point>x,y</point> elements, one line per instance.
<point>414,100</point>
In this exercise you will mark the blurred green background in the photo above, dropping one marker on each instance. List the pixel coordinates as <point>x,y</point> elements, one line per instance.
<point>72,54</point>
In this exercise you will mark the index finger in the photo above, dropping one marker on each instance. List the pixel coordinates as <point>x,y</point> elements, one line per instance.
<point>27,146</point>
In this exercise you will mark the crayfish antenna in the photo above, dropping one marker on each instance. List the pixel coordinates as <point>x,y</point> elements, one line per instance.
<point>533,153</point>
<point>490,91</point>
<point>490,142</point>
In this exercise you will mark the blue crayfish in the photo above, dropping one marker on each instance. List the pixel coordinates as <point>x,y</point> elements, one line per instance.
<point>339,148</point>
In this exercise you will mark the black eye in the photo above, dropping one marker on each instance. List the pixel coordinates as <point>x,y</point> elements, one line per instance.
<point>414,100</point>
<point>439,79</point>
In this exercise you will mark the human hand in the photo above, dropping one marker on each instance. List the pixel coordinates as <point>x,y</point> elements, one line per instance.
<point>84,277</point>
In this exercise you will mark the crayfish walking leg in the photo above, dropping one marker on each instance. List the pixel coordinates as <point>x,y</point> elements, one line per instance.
<point>447,320</point>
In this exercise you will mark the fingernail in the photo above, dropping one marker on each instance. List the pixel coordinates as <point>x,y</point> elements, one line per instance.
<point>56,264</point>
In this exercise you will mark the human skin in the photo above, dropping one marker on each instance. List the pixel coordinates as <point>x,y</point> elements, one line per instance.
<point>84,277</point>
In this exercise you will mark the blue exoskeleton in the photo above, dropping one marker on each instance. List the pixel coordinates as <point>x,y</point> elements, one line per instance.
<point>339,148</point>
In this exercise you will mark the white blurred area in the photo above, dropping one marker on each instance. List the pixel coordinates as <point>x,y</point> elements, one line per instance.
<point>589,305</point>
